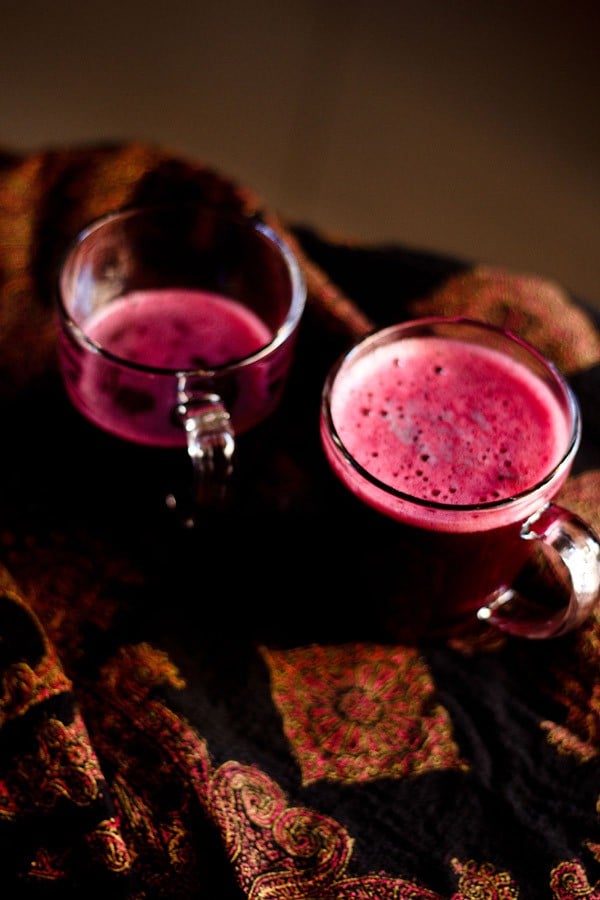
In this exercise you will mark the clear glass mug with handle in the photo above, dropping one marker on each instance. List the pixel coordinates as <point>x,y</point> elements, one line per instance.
<point>462,434</point>
<point>176,329</point>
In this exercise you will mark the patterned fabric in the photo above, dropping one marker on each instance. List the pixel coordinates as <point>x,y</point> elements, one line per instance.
<point>221,713</point>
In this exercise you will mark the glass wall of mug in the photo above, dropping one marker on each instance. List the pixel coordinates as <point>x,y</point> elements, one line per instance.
<point>177,326</point>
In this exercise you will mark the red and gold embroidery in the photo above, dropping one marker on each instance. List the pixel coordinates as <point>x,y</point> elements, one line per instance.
<point>136,671</point>
<point>578,691</point>
<point>569,881</point>
<point>24,684</point>
<point>292,852</point>
<point>360,711</point>
<point>144,740</point>
<point>49,865</point>
<point>593,846</point>
<point>477,881</point>
<point>63,765</point>
<point>106,843</point>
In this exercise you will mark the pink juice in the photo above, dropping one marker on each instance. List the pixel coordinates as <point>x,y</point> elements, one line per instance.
<point>457,444</point>
<point>449,423</point>
<point>169,330</point>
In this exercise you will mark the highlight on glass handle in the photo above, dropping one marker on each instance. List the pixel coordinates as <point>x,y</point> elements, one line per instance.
<point>562,538</point>
<point>210,444</point>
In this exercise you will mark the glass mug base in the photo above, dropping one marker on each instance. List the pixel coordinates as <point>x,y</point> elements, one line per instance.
<point>452,586</point>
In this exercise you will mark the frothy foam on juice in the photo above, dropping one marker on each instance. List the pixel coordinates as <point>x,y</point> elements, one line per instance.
<point>447,421</point>
<point>178,329</point>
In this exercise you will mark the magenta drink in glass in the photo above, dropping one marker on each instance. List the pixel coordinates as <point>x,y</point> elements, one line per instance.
<point>177,325</point>
<point>463,434</point>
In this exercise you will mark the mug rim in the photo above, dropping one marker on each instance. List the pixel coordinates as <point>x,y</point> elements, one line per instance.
<point>379,335</point>
<point>298,285</point>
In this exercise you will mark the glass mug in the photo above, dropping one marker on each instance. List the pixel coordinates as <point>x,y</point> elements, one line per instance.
<point>177,324</point>
<point>462,434</point>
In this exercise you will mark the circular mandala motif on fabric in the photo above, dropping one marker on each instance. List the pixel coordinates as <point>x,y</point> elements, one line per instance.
<point>357,712</point>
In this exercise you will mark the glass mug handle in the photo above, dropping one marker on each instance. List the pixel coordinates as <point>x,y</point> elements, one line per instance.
<point>210,442</point>
<point>560,536</point>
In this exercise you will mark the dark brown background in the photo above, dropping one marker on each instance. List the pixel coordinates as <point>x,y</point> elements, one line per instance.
<point>465,127</point>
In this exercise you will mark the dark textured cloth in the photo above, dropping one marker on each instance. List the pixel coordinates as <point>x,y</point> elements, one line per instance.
<point>222,712</point>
